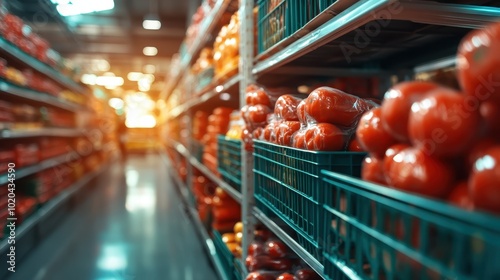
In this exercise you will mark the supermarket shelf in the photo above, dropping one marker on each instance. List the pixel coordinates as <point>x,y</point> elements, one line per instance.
<point>48,208</point>
<point>283,236</point>
<point>29,94</point>
<point>206,95</point>
<point>207,27</point>
<point>225,186</point>
<point>39,66</point>
<point>194,216</point>
<point>39,132</point>
<point>362,12</point>
<point>30,170</point>
<point>436,65</point>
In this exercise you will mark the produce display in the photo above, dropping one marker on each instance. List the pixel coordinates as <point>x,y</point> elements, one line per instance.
<point>439,142</point>
<point>325,120</point>
<point>226,49</point>
<point>270,258</point>
<point>14,30</point>
<point>203,69</point>
<point>35,81</point>
<point>226,212</point>
<point>218,123</point>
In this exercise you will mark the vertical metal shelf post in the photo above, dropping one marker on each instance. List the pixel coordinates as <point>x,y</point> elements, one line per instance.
<point>245,69</point>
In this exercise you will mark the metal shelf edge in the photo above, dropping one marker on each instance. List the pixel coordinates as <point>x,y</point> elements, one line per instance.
<point>39,66</point>
<point>297,248</point>
<point>225,186</point>
<point>204,97</point>
<point>30,170</point>
<point>55,132</point>
<point>362,12</point>
<point>47,208</point>
<point>36,96</point>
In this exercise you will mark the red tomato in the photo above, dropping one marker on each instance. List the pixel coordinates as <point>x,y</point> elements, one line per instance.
<point>260,276</point>
<point>301,112</point>
<point>329,105</point>
<point>306,274</point>
<point>279,264</point>
<point>268,131</point>
<point>254,263</point>
<point>389,157</point>
<point>372,170</point>
<point>285,132</point>
<point>247,138</point>
<point>276,249</point>
<point>258,96</point>
<point>299,140</point>
<point>490,112</point>
<point>479,150</point>
<point>256,249</point>
<point>327,137</point>
<point>286,276</point>
<point>354,146</point>
<point>460,196</point>
<point>478,64</point>
<point>484,181</point>
<point>371,134</point>
<point>222,111</point>
<point>286,108</point>
<point>442,123</point>
<point>416,171</point>
<point>397,106</point>
<point>257,114</point>
<point>257,133</point>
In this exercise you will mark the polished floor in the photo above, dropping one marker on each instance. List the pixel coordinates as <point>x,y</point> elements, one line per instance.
<point>131,227</point>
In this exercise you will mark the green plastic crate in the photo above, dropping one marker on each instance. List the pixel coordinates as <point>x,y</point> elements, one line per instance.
<point>381,233</point>
<point>229,160</point>
<point>225,256</point>
<point>287,184</point>
<point>278,20</point>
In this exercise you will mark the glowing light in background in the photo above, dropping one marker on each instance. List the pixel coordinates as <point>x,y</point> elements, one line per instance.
<point>150,51</point>
<point>116,103</point>
<point>79,7</point>
<point>144,121</point>
<point>134,76</point>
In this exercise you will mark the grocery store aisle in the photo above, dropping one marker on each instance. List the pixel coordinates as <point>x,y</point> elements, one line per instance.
<point>130,227</point>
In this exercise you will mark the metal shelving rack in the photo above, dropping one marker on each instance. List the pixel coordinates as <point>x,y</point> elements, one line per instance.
<point>40,132</point>
<point>10,90</point>
<point>29,227</point>
<point>287,57</point>
<point>39,66</point>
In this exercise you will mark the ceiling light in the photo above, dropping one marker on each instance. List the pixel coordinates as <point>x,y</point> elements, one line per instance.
<point>78,7</point>
<point>134,76</point>
<point>109,82</point>
<point>150,51</point>
<point>148,77</point>
<point>88,79</point>
<point>149,68</point>
<point>151,22</point>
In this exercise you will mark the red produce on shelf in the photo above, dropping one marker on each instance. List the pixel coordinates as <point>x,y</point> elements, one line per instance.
<point>483,183</point>
<point>397,105</point>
